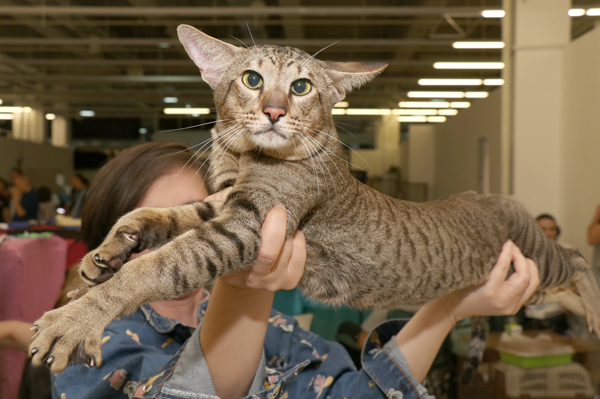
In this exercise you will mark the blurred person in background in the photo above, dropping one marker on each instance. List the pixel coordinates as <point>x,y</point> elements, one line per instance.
<point>25,201</point>
<point>47,210</point>
<point>593,237</point>
<point>548,225</point>
<point>4,201</point>
<point>80,191</point>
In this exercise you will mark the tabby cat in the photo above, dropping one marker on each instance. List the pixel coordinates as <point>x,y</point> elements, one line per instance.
<point>275,142</point>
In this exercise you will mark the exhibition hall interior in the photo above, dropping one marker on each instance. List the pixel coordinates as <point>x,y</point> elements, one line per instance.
<point>436,161</point>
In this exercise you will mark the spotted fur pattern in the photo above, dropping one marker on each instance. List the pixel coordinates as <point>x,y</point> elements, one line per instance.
<point>365,249</point>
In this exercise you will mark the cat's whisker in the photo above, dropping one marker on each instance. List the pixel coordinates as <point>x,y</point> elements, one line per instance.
<point>192,127</point>
<point>312,160</point>
<point>341,142</point>
<point>316,145</point>
<point>202,145</point>
<point>252,37</point>
<point>334,154</point>
<point>233,140</point>
<point>209,156</point>
<point>196,157</point>
<point>315,54</point>
<point>326,151</point>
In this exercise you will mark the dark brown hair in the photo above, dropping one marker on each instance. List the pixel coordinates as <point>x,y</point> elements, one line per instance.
<point>121,184</point>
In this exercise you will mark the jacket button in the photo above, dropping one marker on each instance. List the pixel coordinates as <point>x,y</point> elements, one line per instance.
<point>147,388</point>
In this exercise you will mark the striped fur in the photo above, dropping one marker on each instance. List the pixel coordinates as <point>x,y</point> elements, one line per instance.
<point>365,249</point>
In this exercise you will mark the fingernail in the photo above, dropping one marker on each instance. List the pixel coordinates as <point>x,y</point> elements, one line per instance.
<point>50,360</point>
<point>34,351</point>
<point>280,206</point>
<point>34,328</point>
<point>92,362</point>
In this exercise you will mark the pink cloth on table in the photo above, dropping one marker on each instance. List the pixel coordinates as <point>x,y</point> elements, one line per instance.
<point>32,271</point>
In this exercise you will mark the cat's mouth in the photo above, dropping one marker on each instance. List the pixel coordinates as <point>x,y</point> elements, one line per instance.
<point>271,134</point>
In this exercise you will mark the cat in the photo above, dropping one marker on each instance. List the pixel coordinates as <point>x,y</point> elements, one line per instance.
<point>275,142</point>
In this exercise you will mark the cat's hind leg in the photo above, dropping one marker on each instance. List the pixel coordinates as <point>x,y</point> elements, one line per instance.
<point>564,297</point>
<point>590,295</point>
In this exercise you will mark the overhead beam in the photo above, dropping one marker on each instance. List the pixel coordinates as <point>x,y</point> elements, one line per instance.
<point>153,42</point>
<point>237,12</point>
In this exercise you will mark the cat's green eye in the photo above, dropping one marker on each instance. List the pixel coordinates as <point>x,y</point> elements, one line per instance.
<point>252,80</point>
<point>301,87</point>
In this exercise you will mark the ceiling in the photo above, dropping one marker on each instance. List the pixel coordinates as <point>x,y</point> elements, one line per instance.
<point>120,58</point>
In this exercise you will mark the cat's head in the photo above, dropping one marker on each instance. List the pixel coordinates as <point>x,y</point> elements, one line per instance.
<point>277,99</point>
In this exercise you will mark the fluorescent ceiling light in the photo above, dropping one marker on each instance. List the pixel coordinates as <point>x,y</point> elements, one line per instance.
<point>0,101</point>
<point>436,94</point>
<point>11,109</point>
<point>170,100</point>
<point>50,117</point>
<point>412,119</point>
<point>415,112</point>
<point>468,65</point>
<point>338,111</point>
<point>593,12</point>
<point>143,130</point>
<point>482,45</point>
<point>342,104</point>
<point>424,104</point>
<point>460,104</point>
<point>447,112</point>
<point>7,117</point>
<point>436,119</point>
<point>493,13</point>
<point>477,94</point>
<point>186,111</point>
<point>493,82</point>
<point>576,12</point>
<point>26,109</point>
<point>368,111</point>
<point>450,82</point>
<point>86,113</point>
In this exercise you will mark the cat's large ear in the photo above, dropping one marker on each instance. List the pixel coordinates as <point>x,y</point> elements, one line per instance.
<point>212,56</point>
<point>351,75</point>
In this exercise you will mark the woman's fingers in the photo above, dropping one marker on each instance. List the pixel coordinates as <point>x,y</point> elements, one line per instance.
<point>500,270</point>
<point>534,281</point>
<point>273,239</point>
<point>518,282</point>
<point>295,266</point>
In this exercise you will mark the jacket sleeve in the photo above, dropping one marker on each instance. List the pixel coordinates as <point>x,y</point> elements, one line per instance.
<point>327,369</point>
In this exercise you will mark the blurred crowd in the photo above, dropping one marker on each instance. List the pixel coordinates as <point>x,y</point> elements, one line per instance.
<point>21,202</point>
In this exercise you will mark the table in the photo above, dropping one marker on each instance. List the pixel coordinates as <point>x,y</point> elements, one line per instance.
<point>32,271</point>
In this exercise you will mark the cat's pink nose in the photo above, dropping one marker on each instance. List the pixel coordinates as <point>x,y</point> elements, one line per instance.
<point>274,113</point>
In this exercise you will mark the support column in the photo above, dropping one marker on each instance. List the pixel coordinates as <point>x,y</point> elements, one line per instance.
<point>60,132</point>
<point>542,30</point>
<point>29,126</point>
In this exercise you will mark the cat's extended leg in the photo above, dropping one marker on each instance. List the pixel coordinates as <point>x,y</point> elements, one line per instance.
<point>73,334</point>
<point>143,228</point>
<point>590,295</point>
<point>560,295</point>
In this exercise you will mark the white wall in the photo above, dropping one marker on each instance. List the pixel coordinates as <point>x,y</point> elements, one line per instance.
<point>387,149</point>
<point>457,147</point>
<point>580,141</point>
<point>39,162</point>
<point>420,165</point>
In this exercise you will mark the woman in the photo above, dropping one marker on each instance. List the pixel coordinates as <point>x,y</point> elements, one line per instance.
<point>235,346</point>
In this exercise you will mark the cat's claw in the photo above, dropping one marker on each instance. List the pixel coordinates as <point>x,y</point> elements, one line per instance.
<point>67,336</point>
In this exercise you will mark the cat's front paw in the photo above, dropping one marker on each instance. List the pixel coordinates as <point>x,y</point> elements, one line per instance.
<point>130,234</point>
<point>68,335</point>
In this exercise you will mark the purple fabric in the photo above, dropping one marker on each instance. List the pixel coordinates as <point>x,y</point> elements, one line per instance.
<point>32,271</point>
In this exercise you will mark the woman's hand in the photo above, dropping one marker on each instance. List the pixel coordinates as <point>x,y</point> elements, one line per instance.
<point>423,335</point>
<point>280,261</point>
<point>498,296</point>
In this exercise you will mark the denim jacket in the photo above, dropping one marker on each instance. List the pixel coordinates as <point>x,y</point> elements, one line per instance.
<point>146,355</point>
